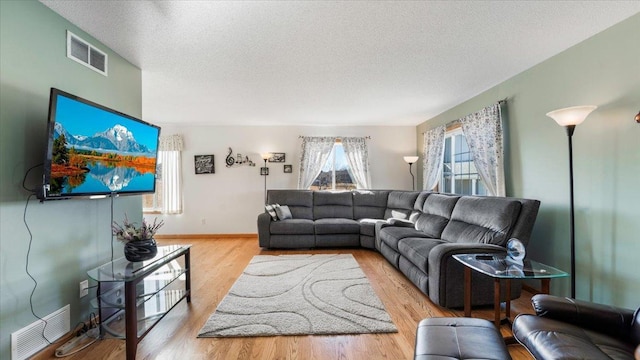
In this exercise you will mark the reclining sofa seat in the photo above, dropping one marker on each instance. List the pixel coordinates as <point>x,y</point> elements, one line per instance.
<point>294,233</point>
<point>452,224</point>
<point>334,223</point>
<point>417,232</point>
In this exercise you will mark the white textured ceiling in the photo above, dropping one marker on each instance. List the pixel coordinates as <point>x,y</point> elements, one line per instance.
<point>330,62</point>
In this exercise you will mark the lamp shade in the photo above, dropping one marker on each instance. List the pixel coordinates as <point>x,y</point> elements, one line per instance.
<point>572,115</point>
<point>265,156</point>
<point>411,159</point>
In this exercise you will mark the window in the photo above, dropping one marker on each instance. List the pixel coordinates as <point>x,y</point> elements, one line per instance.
<point>152,203</point>
<point>335,172</point>
<point>459,174</point>
<point>168,196</point>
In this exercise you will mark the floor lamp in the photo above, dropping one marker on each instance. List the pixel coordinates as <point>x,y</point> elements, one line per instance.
<point>264,172</point>
<point>410,160</point>
<point>569,118</point>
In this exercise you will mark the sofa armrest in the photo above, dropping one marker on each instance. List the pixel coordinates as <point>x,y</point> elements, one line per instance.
<point>605,319</point>
<point>379,226</point>
<point>446,273</point>
<point>400,222</point>
<point>264,235</point>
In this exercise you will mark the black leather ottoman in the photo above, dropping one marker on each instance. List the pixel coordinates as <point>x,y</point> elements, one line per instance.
<point>459,338</point>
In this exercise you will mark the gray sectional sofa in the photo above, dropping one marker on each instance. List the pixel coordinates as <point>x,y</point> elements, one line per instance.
<point>417,232</point>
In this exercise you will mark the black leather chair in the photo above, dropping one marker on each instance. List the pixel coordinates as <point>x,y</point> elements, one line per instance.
<point>565,328</point>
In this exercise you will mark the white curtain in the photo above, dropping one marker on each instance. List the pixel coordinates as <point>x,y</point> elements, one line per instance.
<point>171,159</point>
<point>357,154</point>
<point>433,154</point>
<point>315,152</point>
<point>483,131</point>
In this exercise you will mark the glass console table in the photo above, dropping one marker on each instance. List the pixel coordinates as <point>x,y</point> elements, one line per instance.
<point>133,296</point>
<point>499,267</point>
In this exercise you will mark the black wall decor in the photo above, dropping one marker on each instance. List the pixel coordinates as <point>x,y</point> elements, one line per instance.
<point>204,164</point>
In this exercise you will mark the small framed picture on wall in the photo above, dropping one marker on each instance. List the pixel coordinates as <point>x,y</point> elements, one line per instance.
<point>204,164</point>
<point>288,169</point>
<point>264,171</point>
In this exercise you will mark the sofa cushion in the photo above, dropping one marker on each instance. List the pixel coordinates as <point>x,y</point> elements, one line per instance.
<point>292,227</point>
<point>400,204</point>
<point>328,204</point>
<point>300,202</point>
<point>292,241</point>
<point>337,240</point>
<point>336,226</point>
<point>422,197</point>
<point>390,235</point>
<point>416,250</point>
<point>369,204</point>
<point>436,213</point>
<point>485,220</point>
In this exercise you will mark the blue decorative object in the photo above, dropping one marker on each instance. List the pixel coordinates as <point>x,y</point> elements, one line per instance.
<point>515,249</point>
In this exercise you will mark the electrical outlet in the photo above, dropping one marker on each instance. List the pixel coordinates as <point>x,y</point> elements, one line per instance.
<point>84,288</point>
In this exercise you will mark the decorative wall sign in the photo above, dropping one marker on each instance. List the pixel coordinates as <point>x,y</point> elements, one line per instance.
<point>264,171</point>
<point>276,157</point>
<point>204,164</point>
<point>288,169</point>
<point>238,160</point>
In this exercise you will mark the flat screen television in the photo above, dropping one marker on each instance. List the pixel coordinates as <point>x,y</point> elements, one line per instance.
<point>95,151</point>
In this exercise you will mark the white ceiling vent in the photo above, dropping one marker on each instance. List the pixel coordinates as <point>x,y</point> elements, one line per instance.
<point>86,54</point>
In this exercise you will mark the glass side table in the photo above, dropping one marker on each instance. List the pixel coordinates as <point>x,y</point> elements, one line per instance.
<point>133,296</point>
<point>499,267</point>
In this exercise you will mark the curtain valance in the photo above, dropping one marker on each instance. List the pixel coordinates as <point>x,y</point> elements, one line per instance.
<point>171,143</point>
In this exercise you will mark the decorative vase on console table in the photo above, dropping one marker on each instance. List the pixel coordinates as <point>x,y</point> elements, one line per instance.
<point>139,244</point>
<point>140,250</point>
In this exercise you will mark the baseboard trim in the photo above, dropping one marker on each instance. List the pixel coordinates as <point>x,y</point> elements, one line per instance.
<point>207,236</point>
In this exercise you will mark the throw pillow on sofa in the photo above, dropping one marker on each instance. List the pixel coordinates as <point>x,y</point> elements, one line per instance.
<point>283,212</point>
<point>271,209</point>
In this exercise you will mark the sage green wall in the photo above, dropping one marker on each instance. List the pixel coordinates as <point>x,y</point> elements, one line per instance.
<point>69,236</point>
<point>604,70</point>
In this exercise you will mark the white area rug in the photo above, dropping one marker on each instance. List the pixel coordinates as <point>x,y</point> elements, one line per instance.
<point>299,295</point>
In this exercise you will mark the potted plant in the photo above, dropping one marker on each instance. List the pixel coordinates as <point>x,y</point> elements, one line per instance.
<point>139,244</point>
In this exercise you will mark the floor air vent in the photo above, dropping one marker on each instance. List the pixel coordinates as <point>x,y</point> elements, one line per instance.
<point>86,54</point>
<point>28,340</point>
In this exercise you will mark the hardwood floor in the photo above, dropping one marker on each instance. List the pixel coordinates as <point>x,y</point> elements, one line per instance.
<point>216,264</point>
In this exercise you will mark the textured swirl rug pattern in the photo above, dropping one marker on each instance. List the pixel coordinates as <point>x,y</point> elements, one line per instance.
<point>299,295</point>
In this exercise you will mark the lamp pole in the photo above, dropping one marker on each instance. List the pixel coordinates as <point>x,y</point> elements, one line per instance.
<point>413,179</point>
<point>265,183</point>
<point>570,130</point>
<point>265,157</point>
<point>410,160</point>
<point>569,118</point>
